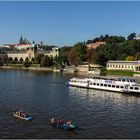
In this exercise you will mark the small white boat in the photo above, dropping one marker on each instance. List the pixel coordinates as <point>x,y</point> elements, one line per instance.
<point>23,117</point>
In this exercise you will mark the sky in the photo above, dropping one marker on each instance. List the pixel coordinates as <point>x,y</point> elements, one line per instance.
<point>63,23</point>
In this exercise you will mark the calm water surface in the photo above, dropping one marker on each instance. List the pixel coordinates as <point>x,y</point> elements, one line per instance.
<point>99,114</point>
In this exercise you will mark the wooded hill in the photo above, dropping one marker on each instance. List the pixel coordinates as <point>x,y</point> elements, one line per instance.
<point>116,48</point>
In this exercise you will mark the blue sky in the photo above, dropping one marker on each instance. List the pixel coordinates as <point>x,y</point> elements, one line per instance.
<point>65,23</point>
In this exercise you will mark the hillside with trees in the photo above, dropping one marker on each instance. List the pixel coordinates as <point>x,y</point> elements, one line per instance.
<point>116,48</point>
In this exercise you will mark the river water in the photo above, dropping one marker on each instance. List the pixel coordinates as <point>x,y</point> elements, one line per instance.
<point>98,114</point>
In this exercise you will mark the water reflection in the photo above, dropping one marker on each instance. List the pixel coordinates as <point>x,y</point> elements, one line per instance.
<point>115,97</point>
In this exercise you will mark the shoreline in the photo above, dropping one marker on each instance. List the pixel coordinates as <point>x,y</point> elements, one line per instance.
<point>19,67</point>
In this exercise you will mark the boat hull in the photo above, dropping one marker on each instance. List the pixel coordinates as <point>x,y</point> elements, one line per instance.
<point>23,118</point>
<point>64,126</point>
<point>105,89</point>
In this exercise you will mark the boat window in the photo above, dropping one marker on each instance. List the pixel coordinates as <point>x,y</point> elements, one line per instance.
<point>94,83</point>
<point>97,84</point>
<point>109,85</point>
<point>122,87</point>
<point>101,84</point>
<point>117,86</point>
<point>131,87</point>
<point>113,86</point>
<point>136,88</point>
<point>105,85</point>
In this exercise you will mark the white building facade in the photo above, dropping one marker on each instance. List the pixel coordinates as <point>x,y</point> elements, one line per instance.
<point>124,65</point>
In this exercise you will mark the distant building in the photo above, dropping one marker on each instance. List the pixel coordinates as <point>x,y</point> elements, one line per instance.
<point>24,46</point>
<point>124,65</point>
<point>29,53</point>
<point>138,37</point>
<point>89,69</point>
<point>19,46</point>
<point>95,45</point>
<point>53,53</point>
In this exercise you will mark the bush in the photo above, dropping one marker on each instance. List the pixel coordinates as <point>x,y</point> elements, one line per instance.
<point>27,64</point>
<point>1,63</point>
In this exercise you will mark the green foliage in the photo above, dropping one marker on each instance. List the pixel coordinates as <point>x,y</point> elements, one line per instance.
<point>108,39</point>
<point>27,64</point>
<point>46,61</point>
<point>131,36</point>
<point>119,72</point>
<point>1,62</point>
<point>116,48</point>
<point>73,58</point>
<point>130,58</point>
<point>38,57</point>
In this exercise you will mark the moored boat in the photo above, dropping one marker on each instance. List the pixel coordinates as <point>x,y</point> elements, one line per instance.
<point>125,85</point>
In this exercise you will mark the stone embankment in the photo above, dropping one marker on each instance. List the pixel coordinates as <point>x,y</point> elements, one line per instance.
<point>29,68</point>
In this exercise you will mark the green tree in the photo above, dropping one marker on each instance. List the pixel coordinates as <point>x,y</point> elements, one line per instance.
<point>74,57</point>
<point>27,63</point>
<point>1,62</point>
<point>137,56</point>
<point>46,61</point>
<point>130,58</point>
<point>123,56</point>
<point>131,36</point>
<point>38,57</point>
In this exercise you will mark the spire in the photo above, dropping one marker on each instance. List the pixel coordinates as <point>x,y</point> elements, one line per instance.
<point>21,40</point>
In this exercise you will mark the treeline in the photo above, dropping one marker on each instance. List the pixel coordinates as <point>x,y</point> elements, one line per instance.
<point>116,48</point>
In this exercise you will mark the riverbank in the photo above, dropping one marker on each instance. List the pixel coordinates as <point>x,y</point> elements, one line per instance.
<point>21,67</point>
<point>36,67</point>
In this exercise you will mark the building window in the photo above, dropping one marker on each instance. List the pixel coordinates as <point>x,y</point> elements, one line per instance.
<point>113,86</point>
<point>136,88</point>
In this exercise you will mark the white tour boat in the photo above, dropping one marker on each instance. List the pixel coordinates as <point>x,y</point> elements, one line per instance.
<point>127,85</point>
